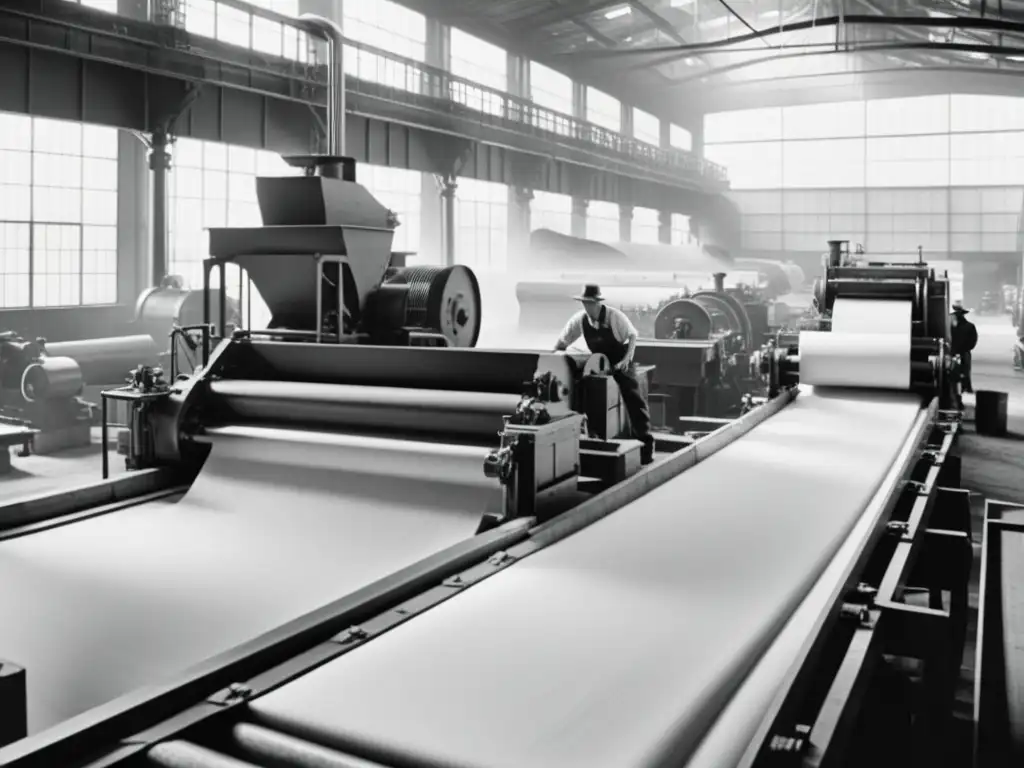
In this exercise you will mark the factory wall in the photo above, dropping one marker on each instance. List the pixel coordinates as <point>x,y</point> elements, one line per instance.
<point>75,242</point>
<point>937,172</point>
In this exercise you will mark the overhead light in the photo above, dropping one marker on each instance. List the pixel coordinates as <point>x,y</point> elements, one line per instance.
<point>615,13</point>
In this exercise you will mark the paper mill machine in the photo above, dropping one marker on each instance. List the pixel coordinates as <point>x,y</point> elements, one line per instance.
<point>790,589</point>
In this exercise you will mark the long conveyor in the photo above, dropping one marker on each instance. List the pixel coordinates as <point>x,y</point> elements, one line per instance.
<point>619,645</point>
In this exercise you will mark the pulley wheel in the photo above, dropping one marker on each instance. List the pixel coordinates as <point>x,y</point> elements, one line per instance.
<point>683,319</point>
<point>445,300</point>
<point>597,365</point>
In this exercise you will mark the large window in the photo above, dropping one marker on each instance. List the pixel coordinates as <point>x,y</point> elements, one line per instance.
<point>400,190</point>
<point>681,229</point>
<point>212,185</point>
<point>481,225</point>
<point>645,226</point>
<point>553,91</point>
<point>237,27</point>
<point>924,141</point>
<point>680,138</point>
<point>646,127</point>
<point>604,110</point>
<point>551,211</point>
<point>392,28</point>
<point>603,221</point>
<point>58,213</point>
<point>479,62</point>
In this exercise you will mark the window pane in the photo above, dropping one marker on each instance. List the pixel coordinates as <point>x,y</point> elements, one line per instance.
<point>646,127</point>
<point>908,116</point>
<point>551,211</point>
<point>603,221</point>
<point>743,125</point>
<point>977,112</point>
<point>750,166</point>
<point>680,138</point>
<point>604,110</point>
<point>823,164</point>
<point>823,121</point>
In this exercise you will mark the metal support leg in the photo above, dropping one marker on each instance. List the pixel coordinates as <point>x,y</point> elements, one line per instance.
<point>159,164</point>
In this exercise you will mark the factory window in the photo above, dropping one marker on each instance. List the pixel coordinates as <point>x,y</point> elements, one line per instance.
<point>212,185</point>
<point>986,159</point>
<point>391,28</point>
<point>551,90</point>
<point>479,62</point>
<point>646,127</point>
<point>481,225</point>
<point>680,138</point>
<point>110,6</point>
<point>604,110</point>
<point>908,116</point>
<point>756,165</point>
<point>977,112</point>
<point>603,221</point>
<point>236,26</point>
<point>400,190</point>
<point>645,226</point>
<point>908,161</point>
<point>823,121</point>
<point>681,229</point>
<point>823,164</point>
<point>58,213</point>
<point>549,210</point>
<point>743,125</point>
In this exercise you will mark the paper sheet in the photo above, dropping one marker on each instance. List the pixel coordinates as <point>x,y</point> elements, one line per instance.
<point>868,346</point>
<point>616,647</point>
<point>101,607</point>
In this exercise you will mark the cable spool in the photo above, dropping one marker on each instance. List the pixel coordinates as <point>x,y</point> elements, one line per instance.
<point>443,299</point>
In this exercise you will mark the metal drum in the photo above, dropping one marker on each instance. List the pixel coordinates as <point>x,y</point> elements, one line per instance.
<point>443,299</point>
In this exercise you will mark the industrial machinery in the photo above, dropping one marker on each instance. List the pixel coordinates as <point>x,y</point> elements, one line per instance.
<point>791,588</point>
<point>41,383</point>
<point>913,287</point>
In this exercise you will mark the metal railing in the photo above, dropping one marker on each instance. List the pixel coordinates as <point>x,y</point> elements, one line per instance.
<point>376,72</point>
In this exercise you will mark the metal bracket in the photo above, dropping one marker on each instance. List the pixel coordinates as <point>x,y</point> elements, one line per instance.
<point>233,694</point>
<point>353,634</point>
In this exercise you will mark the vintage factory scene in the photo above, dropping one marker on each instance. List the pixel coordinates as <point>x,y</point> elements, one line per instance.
<point>418,385</point>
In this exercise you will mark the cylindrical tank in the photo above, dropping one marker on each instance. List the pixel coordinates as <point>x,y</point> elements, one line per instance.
<point>107,361</point>
<point>158,310</point>
<point>51,378</point>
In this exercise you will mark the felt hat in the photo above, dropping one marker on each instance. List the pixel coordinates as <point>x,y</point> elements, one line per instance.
<point>590,293</point>
<point>958,309</point>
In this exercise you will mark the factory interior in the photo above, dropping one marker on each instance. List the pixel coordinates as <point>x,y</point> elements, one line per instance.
<point>329,329</point>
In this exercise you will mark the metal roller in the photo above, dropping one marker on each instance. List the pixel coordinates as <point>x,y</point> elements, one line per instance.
<point>273,748</point>
<point>109,360</point>
<point>51,378</point>
<point>388,410</point>
<point>158,310</point>
<point>444,299</point>
<point>182,754</point>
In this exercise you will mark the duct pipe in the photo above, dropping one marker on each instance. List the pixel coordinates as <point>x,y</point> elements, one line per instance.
<point>330,31</point>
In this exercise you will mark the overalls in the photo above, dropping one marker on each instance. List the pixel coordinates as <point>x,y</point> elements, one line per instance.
<point>601,341</point>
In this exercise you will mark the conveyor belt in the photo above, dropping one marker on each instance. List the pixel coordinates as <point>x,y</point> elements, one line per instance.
<point>619,645</point>
<point>274,527</point>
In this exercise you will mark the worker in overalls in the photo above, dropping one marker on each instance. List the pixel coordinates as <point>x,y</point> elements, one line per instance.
<point>964,338</point>
<point>609,332</point>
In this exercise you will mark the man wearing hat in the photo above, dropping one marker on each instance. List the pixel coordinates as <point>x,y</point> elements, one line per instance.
<point>609,332</point>
<point>964,339</point>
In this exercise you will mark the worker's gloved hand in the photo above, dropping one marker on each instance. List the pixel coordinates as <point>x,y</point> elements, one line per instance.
<point>622,365</point>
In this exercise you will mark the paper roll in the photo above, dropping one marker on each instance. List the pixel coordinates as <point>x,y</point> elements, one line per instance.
<point>871,316</point>
<point>870,360</point>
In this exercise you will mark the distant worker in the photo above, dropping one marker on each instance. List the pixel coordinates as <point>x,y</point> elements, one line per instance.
<point>681,328</point>
<point>609,332</point>
<point>964,340</point>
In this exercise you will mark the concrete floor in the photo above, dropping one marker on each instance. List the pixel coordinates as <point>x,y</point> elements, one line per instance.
<point>31,475</point>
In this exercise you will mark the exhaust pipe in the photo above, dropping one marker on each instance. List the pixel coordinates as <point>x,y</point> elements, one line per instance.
<point>331,32</point>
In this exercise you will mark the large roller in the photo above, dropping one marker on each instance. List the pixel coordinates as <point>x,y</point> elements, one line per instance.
<point>107,361</point>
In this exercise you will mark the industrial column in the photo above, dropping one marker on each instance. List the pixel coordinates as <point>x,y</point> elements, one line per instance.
<point>519,193</point>
<point>159,164</point>
<point>579,204</point>
<point>437,56</point>
<point>447,187</point>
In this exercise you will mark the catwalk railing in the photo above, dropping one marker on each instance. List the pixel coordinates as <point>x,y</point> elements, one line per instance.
<point>274,45</point>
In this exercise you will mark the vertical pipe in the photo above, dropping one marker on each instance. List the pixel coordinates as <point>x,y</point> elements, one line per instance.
<point>329,30</point>
<point>159,164</point>
<point>448,188</point>
<point>719,282</point>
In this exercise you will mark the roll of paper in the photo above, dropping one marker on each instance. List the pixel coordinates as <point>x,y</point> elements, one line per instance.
<point>869,360</point>
<point>871,316</point>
